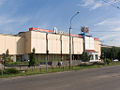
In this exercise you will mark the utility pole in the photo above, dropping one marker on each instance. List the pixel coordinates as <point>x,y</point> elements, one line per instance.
<point>47,52</point>
<point>70,52</point>
<point>3,63</point>
<point>70,30</point>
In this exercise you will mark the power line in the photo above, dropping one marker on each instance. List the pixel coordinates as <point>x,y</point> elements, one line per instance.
<point>104,31</point>
<point>112,4</point>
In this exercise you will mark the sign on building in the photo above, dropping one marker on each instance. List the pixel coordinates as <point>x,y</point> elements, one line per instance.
<point>85,29</point>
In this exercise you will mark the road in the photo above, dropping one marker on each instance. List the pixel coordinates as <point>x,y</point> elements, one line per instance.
<point>106,78</point>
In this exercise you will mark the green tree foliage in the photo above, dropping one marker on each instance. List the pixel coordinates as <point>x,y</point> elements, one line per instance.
<point>8,57</point>
<point>110,53</point>
<point>85,57</point>
<point>7,53</point>
<point>32,61</point>
<point>118,57</point>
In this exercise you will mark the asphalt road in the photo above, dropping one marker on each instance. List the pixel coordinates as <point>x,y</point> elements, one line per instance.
<point>107,78</point>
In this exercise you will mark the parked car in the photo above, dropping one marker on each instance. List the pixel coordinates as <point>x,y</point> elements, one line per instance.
<point>115,60</point>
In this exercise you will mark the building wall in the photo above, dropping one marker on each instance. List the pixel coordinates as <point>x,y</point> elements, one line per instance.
<point>97,45</point>
<point>38,41</point>
<point>27,42</point>
<point>14,44</point>
<point>77,45</point>
<point>54,45</point>
<point>65,44</point>
<point>20,45</point>
<point>89,43</point>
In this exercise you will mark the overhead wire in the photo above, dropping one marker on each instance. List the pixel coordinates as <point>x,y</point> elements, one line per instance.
<point>104,31</point>
<point>112,4</point>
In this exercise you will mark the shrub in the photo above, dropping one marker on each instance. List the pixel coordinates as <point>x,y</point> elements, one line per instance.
<point>85,57</point>
<point>32,61</point>
<point>98,63</point>
<point>11,71</point>
<point>85,64</point>
<point>107,61</point>
<point>0,72</point>
<point>8,57</point>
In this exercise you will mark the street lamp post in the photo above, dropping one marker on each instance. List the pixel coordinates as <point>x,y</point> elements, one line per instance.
<point>70,30</point>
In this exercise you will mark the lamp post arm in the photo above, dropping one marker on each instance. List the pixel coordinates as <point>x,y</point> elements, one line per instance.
<point>72,18</point>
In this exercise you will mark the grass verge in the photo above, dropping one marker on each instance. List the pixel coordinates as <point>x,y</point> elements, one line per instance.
<point>57,69</point>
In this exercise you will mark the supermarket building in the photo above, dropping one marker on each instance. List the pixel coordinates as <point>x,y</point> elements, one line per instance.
<point>48,43</point>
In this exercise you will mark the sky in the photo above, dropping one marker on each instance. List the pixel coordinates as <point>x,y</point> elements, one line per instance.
<point>103,19</point>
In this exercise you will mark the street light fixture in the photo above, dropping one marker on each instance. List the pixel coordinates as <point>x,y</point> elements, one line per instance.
<point>70,29</point>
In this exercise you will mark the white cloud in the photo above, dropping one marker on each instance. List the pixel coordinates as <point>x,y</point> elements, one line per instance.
<point>113,1</point>
<point>96,5</point>
<point>100,23</point>
<point>92,4</point>
<point>114,21</point>
<point>116,29</point>
<point>87,2</point>
<point>10,25</point>
<point>108,36</point>
<point>111,39</point>
<point>8,20</point>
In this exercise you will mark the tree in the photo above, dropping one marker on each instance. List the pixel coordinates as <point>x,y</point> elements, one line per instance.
<point>85,57</point>
<point>7,53</point>
<point>114,52</point>
<point>32,61</point>
<point>110,53</point>
<point>118,57</point>
<point>7,57</point>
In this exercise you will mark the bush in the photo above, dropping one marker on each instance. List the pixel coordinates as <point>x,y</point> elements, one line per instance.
<point>0,72</point>
<point>98,63</point>
<point>11,71</point>
<point>17,63</point>
<point>85,64</point>
<point>32,61</point>
<point>85,57</point>
<point>7,57</point>
<point>107,61</point>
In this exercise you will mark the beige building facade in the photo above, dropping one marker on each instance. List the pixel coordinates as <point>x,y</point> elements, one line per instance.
<point>44,42</point>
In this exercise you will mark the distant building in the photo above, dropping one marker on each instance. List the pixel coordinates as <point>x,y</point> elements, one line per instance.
<point>106,46</point>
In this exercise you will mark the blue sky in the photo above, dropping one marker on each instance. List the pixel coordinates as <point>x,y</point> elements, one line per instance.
<point>102,19</point>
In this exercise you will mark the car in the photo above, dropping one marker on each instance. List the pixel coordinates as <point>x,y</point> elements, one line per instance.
<point>115,60</point>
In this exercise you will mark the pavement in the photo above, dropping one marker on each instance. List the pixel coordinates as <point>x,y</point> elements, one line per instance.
<point>106,78</point>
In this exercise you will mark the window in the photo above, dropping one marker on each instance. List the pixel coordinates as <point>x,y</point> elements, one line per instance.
<point>91,58</point>
<point>96,57</point>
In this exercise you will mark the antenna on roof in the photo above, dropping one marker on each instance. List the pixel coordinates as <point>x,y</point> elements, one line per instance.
<point>55,30</point>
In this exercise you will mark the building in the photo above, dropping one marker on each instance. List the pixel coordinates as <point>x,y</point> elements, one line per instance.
<point>15,45</point>
<point>91,45</point>
<point>47,44</point>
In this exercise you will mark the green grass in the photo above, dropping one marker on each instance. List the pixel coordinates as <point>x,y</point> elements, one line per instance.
<point>113,63</point>
<point>17,63</point>
<point>49,70</point>
<point>57,69</point>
